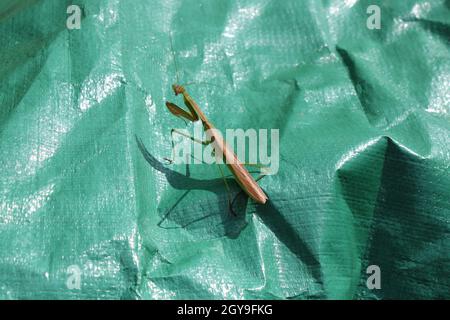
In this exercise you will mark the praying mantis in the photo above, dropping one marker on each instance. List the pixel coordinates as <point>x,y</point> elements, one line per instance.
<point>248,184</point>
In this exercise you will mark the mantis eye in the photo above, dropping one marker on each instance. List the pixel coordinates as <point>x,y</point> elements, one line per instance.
<point>177,89</point>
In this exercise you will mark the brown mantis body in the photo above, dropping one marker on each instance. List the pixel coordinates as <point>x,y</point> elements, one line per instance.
<point>240,173</point>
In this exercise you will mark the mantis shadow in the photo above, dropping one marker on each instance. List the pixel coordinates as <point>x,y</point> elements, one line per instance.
<point>194,218</point>
<point>233,225</point>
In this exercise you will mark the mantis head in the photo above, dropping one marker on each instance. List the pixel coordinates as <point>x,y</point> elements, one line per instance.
<point>178,89</point>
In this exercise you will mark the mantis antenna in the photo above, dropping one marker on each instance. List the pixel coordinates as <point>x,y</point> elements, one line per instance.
<point>174,58</point>
<point>177,70</point>
<point>202,82</point>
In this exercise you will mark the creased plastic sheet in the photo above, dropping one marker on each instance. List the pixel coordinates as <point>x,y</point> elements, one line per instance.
<point>364,161</point>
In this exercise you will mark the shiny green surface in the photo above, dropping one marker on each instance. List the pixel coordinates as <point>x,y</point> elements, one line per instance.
<point>364,119</point>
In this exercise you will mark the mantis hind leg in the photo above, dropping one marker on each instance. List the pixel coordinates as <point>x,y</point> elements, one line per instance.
<point>242,192</point>
<point>227,186</point>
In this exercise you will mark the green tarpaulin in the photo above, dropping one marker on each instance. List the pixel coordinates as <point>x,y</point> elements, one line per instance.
<point>90,209</point>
